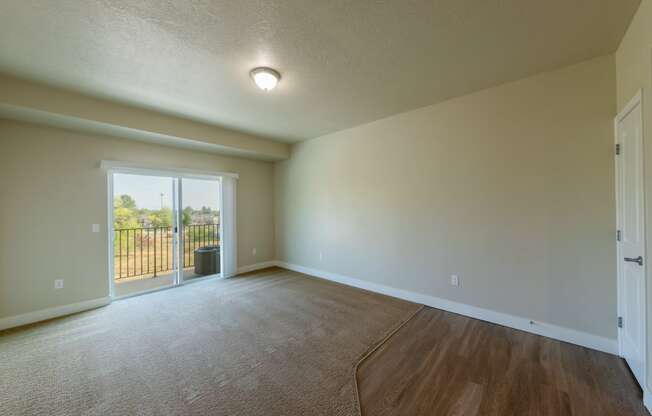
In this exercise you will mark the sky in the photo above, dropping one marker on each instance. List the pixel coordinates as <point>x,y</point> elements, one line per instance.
<point>147,190</point>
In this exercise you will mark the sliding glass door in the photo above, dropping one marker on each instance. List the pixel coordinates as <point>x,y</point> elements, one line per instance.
<point>145,218</point>
<point>156,243</point>
<point>200,231</point>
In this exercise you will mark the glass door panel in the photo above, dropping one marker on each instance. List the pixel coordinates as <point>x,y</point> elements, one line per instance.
<point>200,231</point>
<point>145,219</point>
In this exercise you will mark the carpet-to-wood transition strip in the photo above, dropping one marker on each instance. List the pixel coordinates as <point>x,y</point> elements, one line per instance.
<point>270,343</point>
<point>372,350</point>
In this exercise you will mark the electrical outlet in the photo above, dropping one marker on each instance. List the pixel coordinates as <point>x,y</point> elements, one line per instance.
<point>455,280</point>
<point>254,251</point>
<point>95,228</point>
<point>58,284</point>
<point>321,256</point>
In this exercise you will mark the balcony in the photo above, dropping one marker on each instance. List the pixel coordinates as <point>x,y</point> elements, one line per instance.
<point>147,253</point>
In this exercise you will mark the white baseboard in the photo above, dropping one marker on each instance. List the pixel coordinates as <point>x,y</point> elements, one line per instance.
<point>647,399</point>
<point>49,313</point>
<point>45,314</point>
<point>524,324</point>
<point>257,266</point>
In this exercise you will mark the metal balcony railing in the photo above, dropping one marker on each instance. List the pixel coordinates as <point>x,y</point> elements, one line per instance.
<point>149,251</point>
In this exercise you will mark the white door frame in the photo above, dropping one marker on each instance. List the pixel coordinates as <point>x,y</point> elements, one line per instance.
<point>112,167</point>
<point>637,100</point>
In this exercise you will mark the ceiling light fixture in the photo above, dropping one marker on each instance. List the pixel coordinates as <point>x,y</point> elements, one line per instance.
<point>265,78</point>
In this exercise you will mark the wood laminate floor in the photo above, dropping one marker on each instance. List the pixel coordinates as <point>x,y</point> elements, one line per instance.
<point>443,364</point>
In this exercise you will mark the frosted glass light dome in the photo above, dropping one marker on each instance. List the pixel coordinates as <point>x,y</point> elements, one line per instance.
<point>265,78</point>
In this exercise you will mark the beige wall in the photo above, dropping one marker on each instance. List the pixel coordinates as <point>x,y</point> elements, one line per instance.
<point>53,190</point>
<point>634,72</point>
<point>512,188</point>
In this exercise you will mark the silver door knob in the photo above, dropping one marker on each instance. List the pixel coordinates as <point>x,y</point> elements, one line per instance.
<point>638,260</point>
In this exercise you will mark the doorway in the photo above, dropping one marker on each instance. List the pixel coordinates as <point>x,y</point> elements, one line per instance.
<point>165,231</point>
<point>200,232</point>
<point>631,245</point>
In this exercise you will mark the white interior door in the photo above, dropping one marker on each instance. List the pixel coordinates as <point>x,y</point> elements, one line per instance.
<point>631,245</point>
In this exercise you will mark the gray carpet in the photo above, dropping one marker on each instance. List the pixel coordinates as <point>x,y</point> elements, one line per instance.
<point>271,343</point>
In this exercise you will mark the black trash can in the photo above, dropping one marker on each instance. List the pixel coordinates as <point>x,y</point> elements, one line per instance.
<point>207,260</point>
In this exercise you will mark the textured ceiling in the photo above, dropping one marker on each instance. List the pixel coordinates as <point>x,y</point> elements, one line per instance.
<point>343,62</point>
